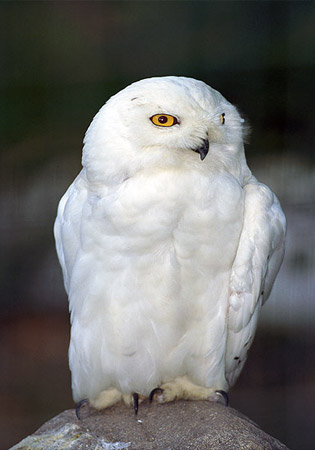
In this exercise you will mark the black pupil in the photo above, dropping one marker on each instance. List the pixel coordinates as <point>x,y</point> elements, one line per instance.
<point>163,119</point>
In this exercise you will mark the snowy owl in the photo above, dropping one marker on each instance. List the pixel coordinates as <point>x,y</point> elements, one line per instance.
<point>169,246</point>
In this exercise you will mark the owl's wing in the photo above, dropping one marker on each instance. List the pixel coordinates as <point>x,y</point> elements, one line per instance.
<point>67,226</point>
<point>257,262</point>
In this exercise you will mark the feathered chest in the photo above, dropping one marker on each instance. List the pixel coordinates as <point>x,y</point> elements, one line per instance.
<point>148,213</point>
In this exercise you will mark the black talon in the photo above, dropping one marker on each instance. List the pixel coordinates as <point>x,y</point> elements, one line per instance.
<point>224,396</point>
<point>78,407</point>
<point>153,392</point>
<point>135,402</point>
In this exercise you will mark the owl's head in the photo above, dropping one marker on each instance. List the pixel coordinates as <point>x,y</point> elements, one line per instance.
<point>163,121</point>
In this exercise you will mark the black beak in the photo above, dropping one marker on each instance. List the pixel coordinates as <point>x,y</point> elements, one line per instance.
<point>203,149</point>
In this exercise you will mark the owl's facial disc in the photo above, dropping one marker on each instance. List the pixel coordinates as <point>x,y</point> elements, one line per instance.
<point>202,149</point>
<point>167,120</point>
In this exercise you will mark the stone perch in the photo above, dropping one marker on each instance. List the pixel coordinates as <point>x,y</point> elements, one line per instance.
<point>181,425</point>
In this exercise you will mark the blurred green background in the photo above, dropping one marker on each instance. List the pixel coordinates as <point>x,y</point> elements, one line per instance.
<point>60,61</point>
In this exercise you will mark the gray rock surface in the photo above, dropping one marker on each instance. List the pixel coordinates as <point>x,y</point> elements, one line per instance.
<point>179,425</point>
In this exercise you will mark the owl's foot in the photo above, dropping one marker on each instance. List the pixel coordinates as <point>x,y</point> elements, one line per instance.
<point>109,397</point>
<point>155,392</point>
<point>78,407</point>
<point>106,398</point>
<point>133,400</point>
<point>182,388</point>
<point>135,397</point>
<point>222,397</point>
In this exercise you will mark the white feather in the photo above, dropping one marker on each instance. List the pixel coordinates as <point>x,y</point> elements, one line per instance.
<point>165,256</point>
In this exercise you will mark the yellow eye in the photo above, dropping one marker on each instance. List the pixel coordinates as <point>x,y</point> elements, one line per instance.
<point>163,120</point>
<point>222,118</point>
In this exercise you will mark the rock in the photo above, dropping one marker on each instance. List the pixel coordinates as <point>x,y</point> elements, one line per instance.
<point>178,425</point>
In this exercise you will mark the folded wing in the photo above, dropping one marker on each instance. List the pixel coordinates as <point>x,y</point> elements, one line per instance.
<point>257,262</point>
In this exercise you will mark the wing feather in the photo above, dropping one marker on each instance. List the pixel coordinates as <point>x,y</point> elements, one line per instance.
<point>257,262</point>
<point>68,225</point>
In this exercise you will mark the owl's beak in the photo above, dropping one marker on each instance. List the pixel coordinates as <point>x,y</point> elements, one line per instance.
<point>203,149</point>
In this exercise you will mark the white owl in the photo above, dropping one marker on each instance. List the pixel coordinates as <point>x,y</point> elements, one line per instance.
<point>168,245</point>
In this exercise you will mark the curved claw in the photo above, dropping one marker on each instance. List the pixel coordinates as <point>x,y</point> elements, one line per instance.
<point>224,397</point>
<point>78,407</point>
<point>135,397</point>
<point>153,392</point>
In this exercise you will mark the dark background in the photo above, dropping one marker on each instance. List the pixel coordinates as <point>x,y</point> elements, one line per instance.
<point>60,61</point>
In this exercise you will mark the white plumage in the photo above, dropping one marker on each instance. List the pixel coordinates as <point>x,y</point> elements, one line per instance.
<point>168,248</point>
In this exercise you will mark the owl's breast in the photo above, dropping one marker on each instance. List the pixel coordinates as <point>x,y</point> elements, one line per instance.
<point>209,228</point>
<point>188,209</point>
<point>155,261</point>
<point>167,226</point>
